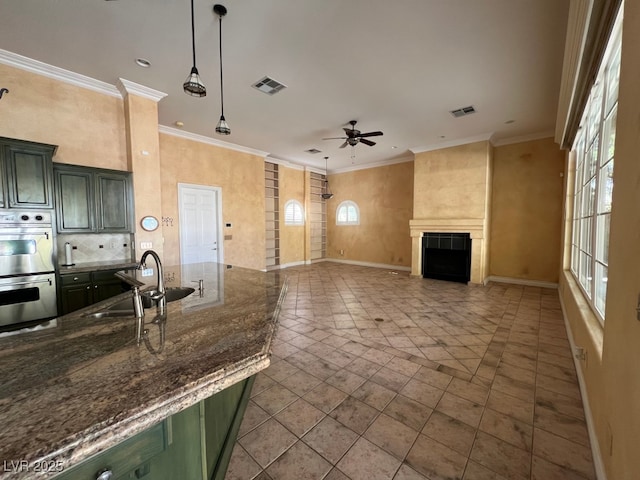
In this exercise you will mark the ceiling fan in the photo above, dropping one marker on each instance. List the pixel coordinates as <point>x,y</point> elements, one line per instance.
<point>355,136</point>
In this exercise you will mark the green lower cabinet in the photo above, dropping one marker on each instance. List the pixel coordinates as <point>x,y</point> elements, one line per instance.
<point>194,444</point>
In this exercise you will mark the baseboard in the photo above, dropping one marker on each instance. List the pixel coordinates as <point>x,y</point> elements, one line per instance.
<point>369,264</point>
<point>593,438</point>
<point>520,281</point>
<point>293,264</point>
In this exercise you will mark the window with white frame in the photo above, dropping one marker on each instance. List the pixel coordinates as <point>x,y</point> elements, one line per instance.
<point>293,213</point>
<point>348,213</point>
<point>593,150</point>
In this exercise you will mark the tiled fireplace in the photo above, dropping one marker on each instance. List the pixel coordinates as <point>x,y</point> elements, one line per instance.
<point>475,227</point>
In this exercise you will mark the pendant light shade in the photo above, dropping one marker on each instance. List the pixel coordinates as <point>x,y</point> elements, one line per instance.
<point>223,127</point>
<point>193,85</point>
<point>327,193</point>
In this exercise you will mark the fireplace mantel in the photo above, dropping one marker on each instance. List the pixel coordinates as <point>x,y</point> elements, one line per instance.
<point>476,227</point>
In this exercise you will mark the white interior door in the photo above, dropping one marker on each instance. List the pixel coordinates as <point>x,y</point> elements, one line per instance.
<point>200,210</point>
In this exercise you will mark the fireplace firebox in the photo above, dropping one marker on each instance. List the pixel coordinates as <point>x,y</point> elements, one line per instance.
<point>446,256</point>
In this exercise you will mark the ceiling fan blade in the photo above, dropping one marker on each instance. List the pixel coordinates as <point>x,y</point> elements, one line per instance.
<point>344,145</point>
<point>367,142</point>
<point>369,134</point>
<point>335,138</point>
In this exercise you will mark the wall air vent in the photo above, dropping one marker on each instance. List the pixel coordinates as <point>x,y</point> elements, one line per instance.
<point>464,111</point>
<point>313,150</point>
<point>269,86</point>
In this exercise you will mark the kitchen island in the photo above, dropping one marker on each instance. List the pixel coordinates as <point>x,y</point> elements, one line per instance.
<point>85,385</point>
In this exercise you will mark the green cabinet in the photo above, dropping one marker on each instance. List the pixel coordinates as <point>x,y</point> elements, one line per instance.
<point>79,290</point>
<point>194,444</point>
<point>27,176</point>
<point>93,200</point>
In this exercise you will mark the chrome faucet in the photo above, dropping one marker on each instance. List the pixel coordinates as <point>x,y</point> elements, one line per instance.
<point>160,290</point>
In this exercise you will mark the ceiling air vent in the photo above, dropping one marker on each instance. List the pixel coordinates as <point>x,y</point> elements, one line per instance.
<point>461,112</point>
<point>312,150</point>
<point>269,86</point>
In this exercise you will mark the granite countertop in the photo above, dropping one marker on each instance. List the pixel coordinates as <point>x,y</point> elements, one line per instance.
<point>84,385</point>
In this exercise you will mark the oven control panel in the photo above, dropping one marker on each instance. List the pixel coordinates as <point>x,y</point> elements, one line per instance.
<point>22,217</point>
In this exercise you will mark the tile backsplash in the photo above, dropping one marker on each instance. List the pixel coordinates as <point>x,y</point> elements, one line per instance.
<point>96,247</point>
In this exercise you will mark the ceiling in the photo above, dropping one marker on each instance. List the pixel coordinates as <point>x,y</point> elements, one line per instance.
<point>398,67</point>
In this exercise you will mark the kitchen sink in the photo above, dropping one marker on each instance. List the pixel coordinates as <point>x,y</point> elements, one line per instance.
<point>124,308</point>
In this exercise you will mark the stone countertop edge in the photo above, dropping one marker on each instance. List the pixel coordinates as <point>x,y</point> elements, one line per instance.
<point>82,445</point>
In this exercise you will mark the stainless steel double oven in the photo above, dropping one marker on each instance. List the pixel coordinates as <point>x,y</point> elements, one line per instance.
<point>27,271</point>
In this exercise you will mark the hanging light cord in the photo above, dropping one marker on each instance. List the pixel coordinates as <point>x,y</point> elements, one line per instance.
<point>193,35</point>
<point>221,84</point>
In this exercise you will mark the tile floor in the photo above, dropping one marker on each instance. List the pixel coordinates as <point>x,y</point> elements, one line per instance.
<point>378,375</point>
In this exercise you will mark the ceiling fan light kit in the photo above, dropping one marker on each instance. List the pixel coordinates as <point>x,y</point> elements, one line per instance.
<point>355,136</point>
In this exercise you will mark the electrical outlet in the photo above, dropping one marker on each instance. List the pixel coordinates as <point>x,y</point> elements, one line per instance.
<point>147,272</point>
<point>146,245</point>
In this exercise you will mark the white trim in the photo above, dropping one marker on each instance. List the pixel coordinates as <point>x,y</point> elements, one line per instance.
<point>577,30</point>
<point>593,438</point>
<point>284,163</point>
<point>130,88</point>
<point>520,281</point>
<point>392,161</point>
<point>319,171</point>
<point>57,73</point>
<point>210,141</point>
<point>292,264</point>
<point>452,143</point>
<point>369,264</point>
<point>522,138</point>
<point>220,234</point>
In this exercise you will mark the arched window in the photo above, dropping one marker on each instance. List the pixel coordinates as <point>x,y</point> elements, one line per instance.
<point>348,213</point>
<point>293,213</point>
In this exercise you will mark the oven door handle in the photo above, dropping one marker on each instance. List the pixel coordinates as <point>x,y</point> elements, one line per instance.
<point>23,234</point>
<point>27,283</point>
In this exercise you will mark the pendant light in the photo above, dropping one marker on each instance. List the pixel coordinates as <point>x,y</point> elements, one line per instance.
<point>327,193</point>
<point>222,128</point>
<point>193,85</point>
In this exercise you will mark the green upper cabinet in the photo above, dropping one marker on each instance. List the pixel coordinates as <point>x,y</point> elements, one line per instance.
<point>90,200</point>
<point>27,177</point>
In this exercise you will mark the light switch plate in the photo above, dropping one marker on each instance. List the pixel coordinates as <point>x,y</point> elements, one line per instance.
<point>147,272</point>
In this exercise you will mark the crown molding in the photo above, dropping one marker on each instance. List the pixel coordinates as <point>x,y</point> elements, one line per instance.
<point>383,163</point>
<point>210,141</point>
<point>453,143</point>
<point>130,88</point>
<point>522,138</point>
<point>57,73</point>
<point>284,163</point>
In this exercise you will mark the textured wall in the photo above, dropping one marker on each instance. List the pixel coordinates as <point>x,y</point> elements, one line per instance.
<point>385,197</point>
<point>452,182</point>
<point>526,212</point>
<point>88,127</point>
<point>241,176</point>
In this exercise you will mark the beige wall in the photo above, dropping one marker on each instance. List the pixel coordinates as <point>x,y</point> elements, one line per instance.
<point>451,183</point>
<point>526,210</point>
<point>88,127</point>
<point>241,176</point>
<point>385,197</point>
<point>292,237</point>
<point>613,351</point>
